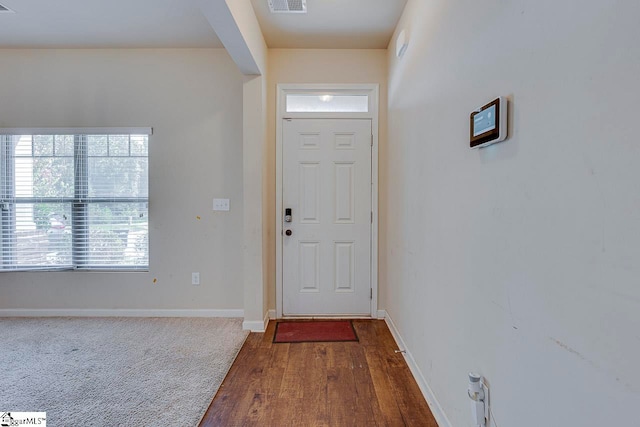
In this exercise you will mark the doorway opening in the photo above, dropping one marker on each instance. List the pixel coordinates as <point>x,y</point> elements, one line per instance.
<point>326,200</point>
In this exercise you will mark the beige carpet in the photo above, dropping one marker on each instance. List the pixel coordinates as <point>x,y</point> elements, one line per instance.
<point>115,371</point>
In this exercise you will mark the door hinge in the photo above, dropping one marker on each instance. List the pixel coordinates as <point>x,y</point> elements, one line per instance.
<point>372,140</point>
<point>371,293</point>
<point>371,217</point>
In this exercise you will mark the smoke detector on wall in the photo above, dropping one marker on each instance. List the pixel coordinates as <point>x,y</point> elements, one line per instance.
<point>288,6</point>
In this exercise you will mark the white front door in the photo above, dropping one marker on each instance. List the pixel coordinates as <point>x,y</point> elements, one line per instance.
<point>326,247</point>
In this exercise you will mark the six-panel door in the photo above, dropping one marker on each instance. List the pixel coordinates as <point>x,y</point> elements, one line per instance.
<point>327,185</point>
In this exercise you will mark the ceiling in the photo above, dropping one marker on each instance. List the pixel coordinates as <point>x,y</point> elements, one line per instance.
<point>103,24</point>
<point>330,24</point>
<point>357,24</point>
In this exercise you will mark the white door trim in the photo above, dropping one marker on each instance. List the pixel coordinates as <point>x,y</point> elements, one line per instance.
<point>346,89</point>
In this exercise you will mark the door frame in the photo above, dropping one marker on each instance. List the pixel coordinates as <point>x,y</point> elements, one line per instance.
<point>329,89</point>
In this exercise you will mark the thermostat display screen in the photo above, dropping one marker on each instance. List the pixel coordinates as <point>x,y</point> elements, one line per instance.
<point>488,124</point>
<point>484,121</point>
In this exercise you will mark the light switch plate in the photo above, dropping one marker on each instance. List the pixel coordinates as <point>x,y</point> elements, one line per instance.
<point>220,204</point>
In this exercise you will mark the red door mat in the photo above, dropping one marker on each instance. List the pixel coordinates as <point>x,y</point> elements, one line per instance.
<point>314,331</point>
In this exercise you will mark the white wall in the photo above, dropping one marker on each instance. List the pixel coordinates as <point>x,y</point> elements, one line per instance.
<point>521,260</point>
<point>320,66</point>
<point>193,100</point>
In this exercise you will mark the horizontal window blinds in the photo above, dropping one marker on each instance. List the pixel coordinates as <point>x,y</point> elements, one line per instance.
<point>74,201</point>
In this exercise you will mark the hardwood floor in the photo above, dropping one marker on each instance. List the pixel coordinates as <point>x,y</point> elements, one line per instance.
<point>320,384</point>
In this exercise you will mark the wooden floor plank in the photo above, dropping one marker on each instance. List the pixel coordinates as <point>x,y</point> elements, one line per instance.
<point>361,383</point>
<point>280,356</point>
<point>292,386</point>
<point>382,388</point>
<point>367,402</point>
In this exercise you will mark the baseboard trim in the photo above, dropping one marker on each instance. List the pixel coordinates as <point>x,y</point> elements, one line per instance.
<point>256,325</point>
<point>82,312</point>
<point>429,396</point>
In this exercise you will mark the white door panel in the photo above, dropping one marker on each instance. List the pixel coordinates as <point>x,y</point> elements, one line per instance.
<point>327,185</point>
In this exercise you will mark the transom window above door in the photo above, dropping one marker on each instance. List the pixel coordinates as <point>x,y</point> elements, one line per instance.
<point>326,103</point>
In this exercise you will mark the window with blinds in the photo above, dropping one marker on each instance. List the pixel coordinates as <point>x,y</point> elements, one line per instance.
<point>74,201</point>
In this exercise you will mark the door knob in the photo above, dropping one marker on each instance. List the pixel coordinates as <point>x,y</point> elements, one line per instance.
<point>288,232</point>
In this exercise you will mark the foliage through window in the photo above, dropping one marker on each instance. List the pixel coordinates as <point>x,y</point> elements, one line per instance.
<point>75,201</point>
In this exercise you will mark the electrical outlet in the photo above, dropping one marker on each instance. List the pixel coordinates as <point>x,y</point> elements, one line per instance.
<point>220,204</point>
<point>195,279</point>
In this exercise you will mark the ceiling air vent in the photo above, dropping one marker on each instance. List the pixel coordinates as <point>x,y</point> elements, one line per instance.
<point>4,9</point>
<point>288,6</point>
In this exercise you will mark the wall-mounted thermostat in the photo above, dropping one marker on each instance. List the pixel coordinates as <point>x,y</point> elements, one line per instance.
<point>488,124</point>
